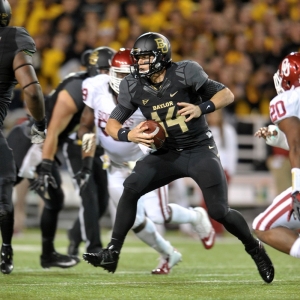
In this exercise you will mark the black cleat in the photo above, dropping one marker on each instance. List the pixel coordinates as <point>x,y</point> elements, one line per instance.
<point>263,262</point>
<point>6,259</point>
<point>107,259</point>
<point>73,248</point>
<point>59,260</point>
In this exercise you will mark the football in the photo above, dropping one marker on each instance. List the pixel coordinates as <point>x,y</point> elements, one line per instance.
<point>155,128</point>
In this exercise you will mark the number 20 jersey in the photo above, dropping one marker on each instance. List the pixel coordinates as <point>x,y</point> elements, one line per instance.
<point>285,105</point>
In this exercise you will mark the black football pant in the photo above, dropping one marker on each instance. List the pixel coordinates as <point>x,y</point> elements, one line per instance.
<point>203,165</point>
<point>94,198</point>
<point>7,179</point>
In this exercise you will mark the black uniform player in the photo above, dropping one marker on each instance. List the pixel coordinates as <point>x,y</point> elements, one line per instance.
<point>177,95</point>
<point>16,50</point>
<point>64,107</point>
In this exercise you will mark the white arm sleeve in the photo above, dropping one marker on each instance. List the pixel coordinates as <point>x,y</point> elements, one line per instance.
<point>279,140</point>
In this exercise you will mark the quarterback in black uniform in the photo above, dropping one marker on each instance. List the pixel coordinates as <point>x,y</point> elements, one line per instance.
<point>177,95</point>
<point>16,50</point>
<point>63,108</point>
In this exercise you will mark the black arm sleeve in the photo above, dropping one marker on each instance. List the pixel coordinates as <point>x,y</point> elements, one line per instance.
<point>121,113</point>
<point>209,89</point>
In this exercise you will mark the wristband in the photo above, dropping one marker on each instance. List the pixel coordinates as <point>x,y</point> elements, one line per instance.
<point>207,107</point>
<point>123,135</point>
<point>40,125</point>
<point>47,164</point>
<point>295,180</point>
<point>87,163</point>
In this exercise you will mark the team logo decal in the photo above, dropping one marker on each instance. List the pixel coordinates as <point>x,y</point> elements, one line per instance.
<point>93,58</point>
<point>285,67</point>
<point>162,45</point>
<point>145,101</point>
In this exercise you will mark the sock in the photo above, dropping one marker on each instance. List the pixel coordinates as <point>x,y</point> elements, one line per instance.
<point>151,237</point>
<point>181,214</point>
<point>125,217</point>
<point>49,221</point>
<point>295,250</point>
<point>7,229</point>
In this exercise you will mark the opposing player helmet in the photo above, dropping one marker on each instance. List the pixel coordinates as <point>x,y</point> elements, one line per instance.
<point>152,44</point>
<point>5,13</point>
<point>100,58</point>
<point>120,67</point>
<point>288,74</point>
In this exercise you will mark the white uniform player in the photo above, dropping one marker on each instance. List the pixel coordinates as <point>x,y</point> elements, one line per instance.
<point>120,159</point>
<point>278,225</point>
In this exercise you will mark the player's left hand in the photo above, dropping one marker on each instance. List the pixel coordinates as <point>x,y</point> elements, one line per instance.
<point>295,206</point>
<point>37,136</point>
<point>190,110</point>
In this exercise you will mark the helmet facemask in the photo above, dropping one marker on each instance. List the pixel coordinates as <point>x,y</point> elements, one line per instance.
<point>120,67</point>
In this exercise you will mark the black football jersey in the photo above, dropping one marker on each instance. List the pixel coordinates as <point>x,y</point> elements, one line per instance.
<point>181,83</point>
<point>12,41</point>
<point>72,84</point>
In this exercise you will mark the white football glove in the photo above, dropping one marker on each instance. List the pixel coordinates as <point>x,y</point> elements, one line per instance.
<point>88,142</point>
<point>37,137</point>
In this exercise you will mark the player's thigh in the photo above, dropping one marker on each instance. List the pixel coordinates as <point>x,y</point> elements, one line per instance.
<point>116,177</point>
<point>156,205</point>
<point>277,214</point>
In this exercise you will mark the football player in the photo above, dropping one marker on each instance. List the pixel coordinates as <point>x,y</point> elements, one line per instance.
<point>178,95</point>
<point>278,226</point>
<point>17,49</point>
<point>100,101</point>
<point>63,109</point>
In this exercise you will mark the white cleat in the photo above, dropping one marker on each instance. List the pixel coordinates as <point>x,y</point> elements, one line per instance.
<point>167,263</point>
<point>204,228</point>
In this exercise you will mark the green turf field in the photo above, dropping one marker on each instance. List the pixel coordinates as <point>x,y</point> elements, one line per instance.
<point>224,272</point>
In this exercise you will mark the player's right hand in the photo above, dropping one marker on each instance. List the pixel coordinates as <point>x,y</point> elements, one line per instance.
<point>295,206</point>
<point>44,179</point>
<point>265,132</point>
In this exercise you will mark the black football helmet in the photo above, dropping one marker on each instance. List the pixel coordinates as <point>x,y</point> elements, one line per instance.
<point>84,58</point>
<point>5,13</point>
<point>152,44</point>
<point>100,58</point>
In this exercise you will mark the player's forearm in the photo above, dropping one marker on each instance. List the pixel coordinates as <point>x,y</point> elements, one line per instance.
<point>50,145</point>
<point>222,98</point>
<point>112,128</point>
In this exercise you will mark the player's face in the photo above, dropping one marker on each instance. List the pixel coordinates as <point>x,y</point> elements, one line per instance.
<point>144,63</point>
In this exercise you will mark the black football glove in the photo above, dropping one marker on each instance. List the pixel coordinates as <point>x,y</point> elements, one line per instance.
<point>38,130</point>
<point>84,174</point>
<point>44,179</point>
<point>295,206</point>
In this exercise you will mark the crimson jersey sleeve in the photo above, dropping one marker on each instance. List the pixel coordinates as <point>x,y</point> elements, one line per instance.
<point>285,105</point>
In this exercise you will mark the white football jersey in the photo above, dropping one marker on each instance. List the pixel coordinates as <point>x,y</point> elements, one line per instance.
<point>98,96</point>
<point>285,105</point>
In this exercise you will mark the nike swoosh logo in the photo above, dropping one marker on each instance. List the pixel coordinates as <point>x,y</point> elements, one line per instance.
<point>211,147</point>
<point>172,95</point>
<point>209,241</point>
<point>106,263</point>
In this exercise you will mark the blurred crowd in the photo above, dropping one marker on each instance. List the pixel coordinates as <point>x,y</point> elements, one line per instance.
<point>239,43</point>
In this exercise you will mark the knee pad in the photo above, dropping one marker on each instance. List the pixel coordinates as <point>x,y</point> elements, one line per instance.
<point>6,204</point>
